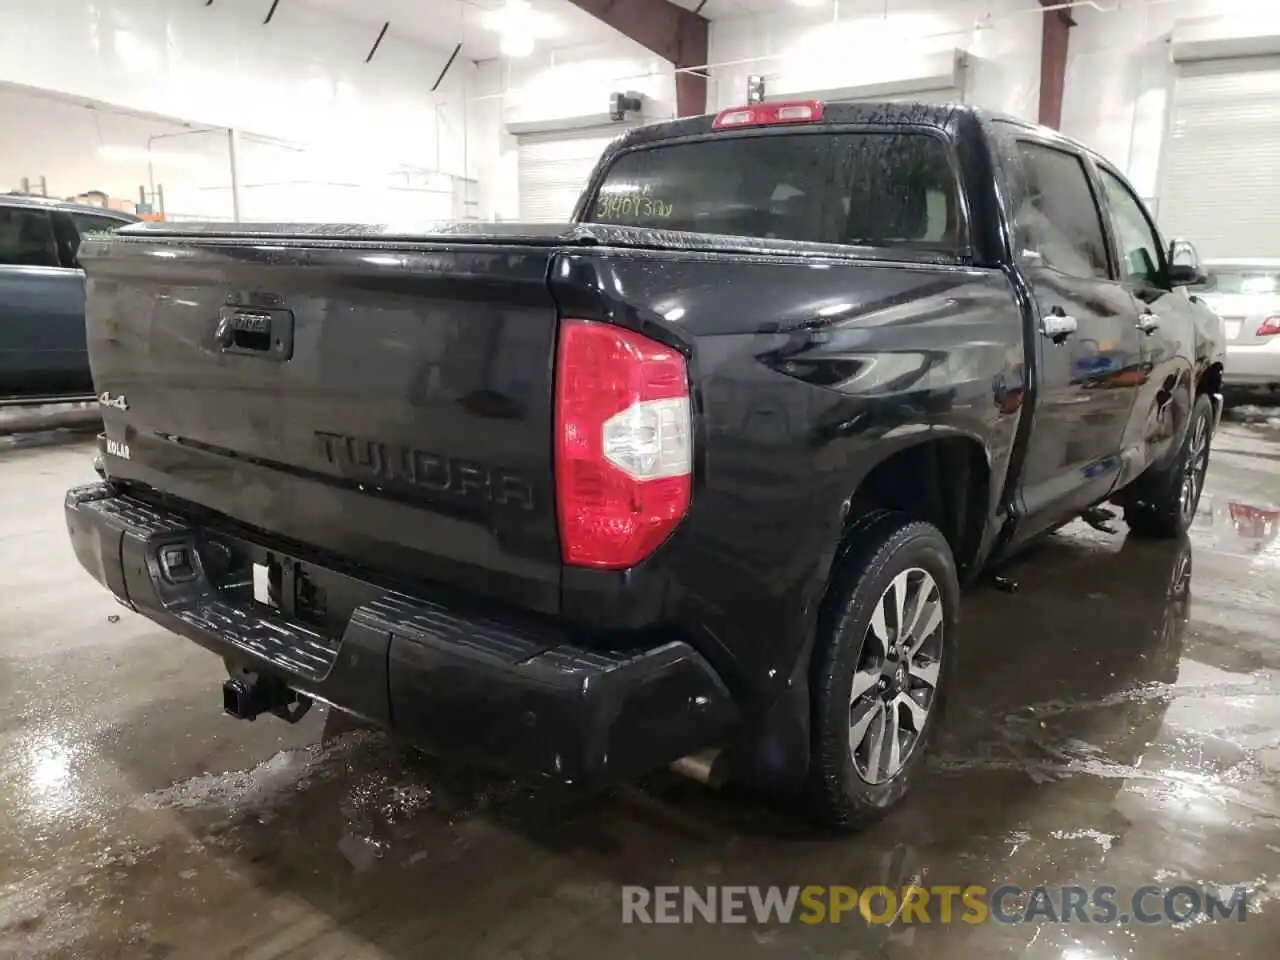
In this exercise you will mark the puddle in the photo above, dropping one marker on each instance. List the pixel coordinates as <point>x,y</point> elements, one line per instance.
<point>1104,840</point>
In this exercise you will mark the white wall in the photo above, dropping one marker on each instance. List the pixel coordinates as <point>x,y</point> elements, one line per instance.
<point>554,89</point>
<point>867,42</point>
<point>302,79</point>
<point>1120,74</point>
<point>795,47</point>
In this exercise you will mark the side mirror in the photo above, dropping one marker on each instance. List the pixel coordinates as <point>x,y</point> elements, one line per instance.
<point>1185,268</point>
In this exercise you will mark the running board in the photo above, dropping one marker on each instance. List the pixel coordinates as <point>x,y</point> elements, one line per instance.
<point>39,414</point>
<point>20,401</point>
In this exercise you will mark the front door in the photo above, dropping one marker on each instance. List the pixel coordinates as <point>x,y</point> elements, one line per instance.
<point>1087,350</point>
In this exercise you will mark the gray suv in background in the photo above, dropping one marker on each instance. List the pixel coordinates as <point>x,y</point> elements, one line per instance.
<point>1246,295</point>
<point>42,341</point>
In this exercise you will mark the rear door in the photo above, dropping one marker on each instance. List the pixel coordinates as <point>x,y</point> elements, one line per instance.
<point>1165,324</point>
<point>1087,350</point>
<point>42,343</point>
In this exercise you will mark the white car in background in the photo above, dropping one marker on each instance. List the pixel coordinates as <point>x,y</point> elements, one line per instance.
<point>1246,295</point>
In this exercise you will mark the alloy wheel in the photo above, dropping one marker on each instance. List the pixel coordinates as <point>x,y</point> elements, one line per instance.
<point>1194,469</point>
<point>896,681</point>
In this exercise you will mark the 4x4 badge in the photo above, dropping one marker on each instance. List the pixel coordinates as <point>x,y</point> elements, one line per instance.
<point>105,399</point>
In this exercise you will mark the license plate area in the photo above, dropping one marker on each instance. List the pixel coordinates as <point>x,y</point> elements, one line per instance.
<point>262,589</point>
<point>1232,328</point>
<point>245,574</point>
<point>290,589</point>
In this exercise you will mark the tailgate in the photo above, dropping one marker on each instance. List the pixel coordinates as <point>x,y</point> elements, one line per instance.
<point>386,402</point>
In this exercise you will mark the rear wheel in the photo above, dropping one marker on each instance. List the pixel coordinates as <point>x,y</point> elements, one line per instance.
<point>880,669</point>
<point>1164,503</point>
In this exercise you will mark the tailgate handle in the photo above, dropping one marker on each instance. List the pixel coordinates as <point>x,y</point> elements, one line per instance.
<point>255,331</point>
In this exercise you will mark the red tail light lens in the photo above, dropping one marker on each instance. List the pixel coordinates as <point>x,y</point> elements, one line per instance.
<point>1270,327</point>
<point>624,444</point>
<point>766,114</point>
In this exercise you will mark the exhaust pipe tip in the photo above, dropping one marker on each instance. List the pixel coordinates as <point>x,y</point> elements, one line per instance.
<point>708,767</point>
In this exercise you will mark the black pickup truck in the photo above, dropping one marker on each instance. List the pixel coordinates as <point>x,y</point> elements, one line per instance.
<point>695,479</point>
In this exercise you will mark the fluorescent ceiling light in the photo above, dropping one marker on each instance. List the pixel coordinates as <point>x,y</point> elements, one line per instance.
<point>809,3</point>
<point>519,17</point>
<point>516,45</point>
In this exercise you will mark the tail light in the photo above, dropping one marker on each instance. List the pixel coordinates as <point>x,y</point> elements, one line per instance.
<point>1270,327</point>
<point>624,444</point>
<point>767,114</point>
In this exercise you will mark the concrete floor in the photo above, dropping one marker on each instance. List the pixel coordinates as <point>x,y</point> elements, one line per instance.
<point>1096,736</point>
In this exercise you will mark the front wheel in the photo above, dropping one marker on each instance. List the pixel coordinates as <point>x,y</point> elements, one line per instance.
<point>1164,503</point>
<point>880,669</point>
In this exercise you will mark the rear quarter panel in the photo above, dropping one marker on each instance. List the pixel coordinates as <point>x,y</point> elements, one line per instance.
<point>807,373</point>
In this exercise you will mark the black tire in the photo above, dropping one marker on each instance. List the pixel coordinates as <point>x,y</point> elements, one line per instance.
<point>843,789</point>
<point>1160,505</point>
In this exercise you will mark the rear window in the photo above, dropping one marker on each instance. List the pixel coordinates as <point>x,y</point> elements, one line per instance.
<point>1243,280</point>
<point>867,189</point>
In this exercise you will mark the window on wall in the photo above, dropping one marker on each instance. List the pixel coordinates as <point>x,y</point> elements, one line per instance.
<point>27,238</point>
<point>1139,247</point>
<point>1058,217</point>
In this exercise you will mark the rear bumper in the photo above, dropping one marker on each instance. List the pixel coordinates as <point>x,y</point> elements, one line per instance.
<point>503,691</point>
<point>1252,365</point>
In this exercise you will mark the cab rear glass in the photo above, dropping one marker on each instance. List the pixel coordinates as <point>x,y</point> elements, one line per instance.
<point>876,189</point>
<point>1247,281</point>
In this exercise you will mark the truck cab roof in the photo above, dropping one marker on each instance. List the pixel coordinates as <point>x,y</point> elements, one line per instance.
<point>943,116</point>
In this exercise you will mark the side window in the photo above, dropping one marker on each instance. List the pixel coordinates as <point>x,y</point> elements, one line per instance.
<point>1139,248</point>
<point>1058,217</point>
<point>92,223</point>
<point>27,239</point>
<point>68,237</point>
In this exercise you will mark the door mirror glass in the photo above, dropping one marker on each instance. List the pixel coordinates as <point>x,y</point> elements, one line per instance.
<point>1185,268</point>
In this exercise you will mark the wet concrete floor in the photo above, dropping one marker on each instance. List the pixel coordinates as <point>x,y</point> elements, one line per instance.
<point>1099,734</point>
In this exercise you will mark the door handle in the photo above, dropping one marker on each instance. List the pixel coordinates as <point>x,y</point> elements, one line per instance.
<point>1148,323</point>
<point>1057,325</point>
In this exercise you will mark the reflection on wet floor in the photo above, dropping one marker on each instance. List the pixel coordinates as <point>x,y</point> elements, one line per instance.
<point>1116,720</point>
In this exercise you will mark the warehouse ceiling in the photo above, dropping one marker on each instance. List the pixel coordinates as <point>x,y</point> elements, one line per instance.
<point>550,24</point>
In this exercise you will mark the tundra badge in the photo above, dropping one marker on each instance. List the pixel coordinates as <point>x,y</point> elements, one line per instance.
<point>105,399</point>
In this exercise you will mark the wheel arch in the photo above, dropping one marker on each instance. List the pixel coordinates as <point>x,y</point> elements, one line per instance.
<point>775,750</point>
<point>943,477</point>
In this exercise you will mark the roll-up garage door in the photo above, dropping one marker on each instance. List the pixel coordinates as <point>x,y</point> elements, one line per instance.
<point>935,78</point>
<point>1221,161</point>
<point>923,95</point>
<point>554,167</point>
<point>939,95</point>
